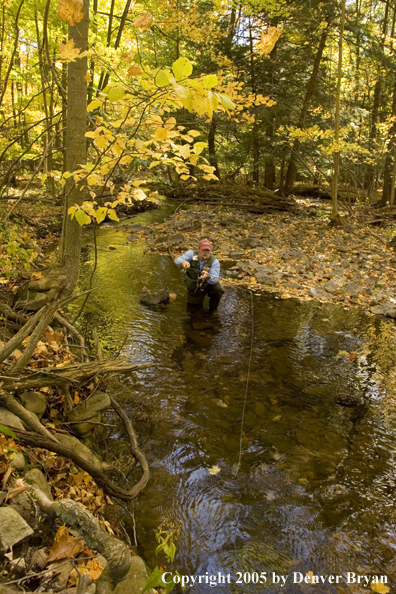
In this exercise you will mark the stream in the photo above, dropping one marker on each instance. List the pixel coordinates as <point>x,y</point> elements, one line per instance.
<point>307,482</point>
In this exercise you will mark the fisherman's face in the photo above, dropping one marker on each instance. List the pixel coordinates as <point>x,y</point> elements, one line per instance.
<point>203,254</point>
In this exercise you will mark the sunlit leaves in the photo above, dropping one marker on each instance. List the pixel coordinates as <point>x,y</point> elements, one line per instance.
<point>70,11</point>
<point>268,40</point>
<point>144,22</point>
<point>182,68</point>
<point>161,79</point>
<point>210,81</point>
<point>134,70</point>
<point>68,52</point>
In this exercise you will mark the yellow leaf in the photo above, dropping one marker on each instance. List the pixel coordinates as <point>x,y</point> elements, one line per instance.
<point>184,151</point>
<point>100,142</point>
<point>144,22</point>
<point>380,588</point>
<point>161,134</point>
<point>134,70</point>
<point>139,194</point>
<point>95,568</point>
<point>214,470</point>
<point>70,11</point>
<point>68,51</point>
<point>268,40</point>
<point>309,577</point>
<point>88,76</point>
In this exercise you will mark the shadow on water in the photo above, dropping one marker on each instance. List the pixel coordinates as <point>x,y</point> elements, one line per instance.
<point>316,483</point>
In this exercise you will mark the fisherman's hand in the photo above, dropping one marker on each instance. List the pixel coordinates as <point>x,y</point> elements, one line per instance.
<point>185,264</point>
<point>204,275</point>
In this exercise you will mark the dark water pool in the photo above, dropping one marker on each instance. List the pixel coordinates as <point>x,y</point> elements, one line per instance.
<point>307,481</point>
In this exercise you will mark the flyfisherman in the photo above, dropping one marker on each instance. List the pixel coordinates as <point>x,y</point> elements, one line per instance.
<point>202,270</point>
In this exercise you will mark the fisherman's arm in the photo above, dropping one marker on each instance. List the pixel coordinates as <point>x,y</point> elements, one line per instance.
<point>214,272</point>
<point>184,260</point>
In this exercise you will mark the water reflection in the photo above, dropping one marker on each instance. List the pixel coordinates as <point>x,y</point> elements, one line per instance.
<point>316,484</point>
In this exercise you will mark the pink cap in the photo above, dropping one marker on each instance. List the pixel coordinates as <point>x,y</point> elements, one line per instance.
<point>205,244</point>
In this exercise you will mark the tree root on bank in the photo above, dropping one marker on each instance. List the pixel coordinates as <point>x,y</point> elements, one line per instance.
<point>27,417</point>
<point>96,472</point>
<point>63,322</point>
<point>62,376</point>
<point>79,518</point>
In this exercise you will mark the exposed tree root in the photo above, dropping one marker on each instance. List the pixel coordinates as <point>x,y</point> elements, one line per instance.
<point>62,376</point>
<point>27,417</point>
<point>38,440</point>
<point>78,517</point>
<point>63,322</point>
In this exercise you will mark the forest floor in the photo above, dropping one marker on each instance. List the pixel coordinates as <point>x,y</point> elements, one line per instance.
<point>294,254</point>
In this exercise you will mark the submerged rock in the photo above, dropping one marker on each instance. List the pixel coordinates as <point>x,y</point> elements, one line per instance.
<point>155,298</point>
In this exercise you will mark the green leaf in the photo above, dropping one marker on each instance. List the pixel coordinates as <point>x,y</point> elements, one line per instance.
<point>182,68</point>
<point>226,101</point>
<point>116,93</point>
<point>154,579</point>
<point>169,586</point>
<point>172,551</point>
<point>6,431</point>
<point>210,81</point>
<point>161,79</point>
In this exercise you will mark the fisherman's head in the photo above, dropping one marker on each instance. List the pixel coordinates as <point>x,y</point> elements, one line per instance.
<point>204,249</point>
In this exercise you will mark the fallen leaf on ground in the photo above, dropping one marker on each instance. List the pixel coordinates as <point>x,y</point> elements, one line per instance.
<point>214,470</point>
<point>65,545</point>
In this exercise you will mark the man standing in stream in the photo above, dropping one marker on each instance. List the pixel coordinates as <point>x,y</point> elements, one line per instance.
<point>202,270</point>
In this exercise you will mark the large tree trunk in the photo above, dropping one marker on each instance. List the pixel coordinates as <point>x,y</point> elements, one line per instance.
<point>76,152</point>
<point>292,168</point>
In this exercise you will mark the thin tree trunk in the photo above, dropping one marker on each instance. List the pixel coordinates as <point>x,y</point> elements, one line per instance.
<point>335,217</point>
<point>212,147</point>
<point>292,167</point>
<point>388,169</point>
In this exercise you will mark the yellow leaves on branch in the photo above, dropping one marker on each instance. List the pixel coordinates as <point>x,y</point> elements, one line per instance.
<point>70,11</point>
<point>268,40</point>
<point>144,22</point>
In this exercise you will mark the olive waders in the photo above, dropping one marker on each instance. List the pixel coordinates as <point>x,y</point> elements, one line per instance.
<point>197,288</point>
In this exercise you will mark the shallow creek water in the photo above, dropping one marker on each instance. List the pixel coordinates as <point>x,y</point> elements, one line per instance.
<point>315,487</point>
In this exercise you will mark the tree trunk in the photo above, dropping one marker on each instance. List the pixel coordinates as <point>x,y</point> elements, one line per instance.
<point>212,147</point>
<point>76,152</point>
<point>335,217</point>
<point>388,169</point>
<point>292,168</point>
